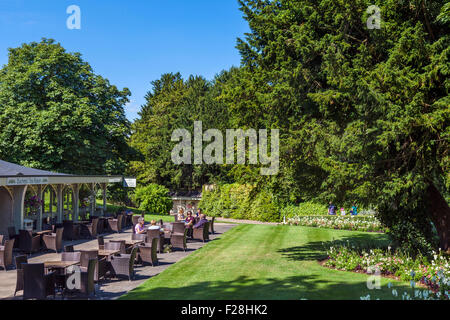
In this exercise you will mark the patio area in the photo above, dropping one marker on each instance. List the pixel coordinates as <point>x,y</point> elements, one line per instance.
<point>109,289</point>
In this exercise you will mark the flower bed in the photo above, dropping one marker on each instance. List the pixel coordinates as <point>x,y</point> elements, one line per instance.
<point>357,223</point>
<point>432,273</point>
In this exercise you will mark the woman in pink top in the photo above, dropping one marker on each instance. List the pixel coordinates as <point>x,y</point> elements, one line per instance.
<point>139,228</point>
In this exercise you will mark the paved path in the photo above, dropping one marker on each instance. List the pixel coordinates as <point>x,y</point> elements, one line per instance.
<point>245,221</point>
<point>111,289</point>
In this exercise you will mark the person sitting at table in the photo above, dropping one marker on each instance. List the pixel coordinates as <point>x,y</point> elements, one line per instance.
<point>190,220</point>
<point>154,226</point>
<point>139,228</point>
<point>202,221</point>
<point>181,214</point>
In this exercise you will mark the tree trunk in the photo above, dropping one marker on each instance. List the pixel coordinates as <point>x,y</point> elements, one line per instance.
<point>440,214</point>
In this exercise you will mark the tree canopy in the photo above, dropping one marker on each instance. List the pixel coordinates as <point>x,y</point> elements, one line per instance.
<point>56,114</point>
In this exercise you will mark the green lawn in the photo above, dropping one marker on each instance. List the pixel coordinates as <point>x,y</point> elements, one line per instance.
<point>264,262</point>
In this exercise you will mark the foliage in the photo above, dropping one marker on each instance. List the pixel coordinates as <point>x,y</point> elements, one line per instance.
<point>304,209</point>
<point>56,114</point>
<point>153,198</point>
<point>357,223</point>
<point>240,201</point>
<point>431,272</point>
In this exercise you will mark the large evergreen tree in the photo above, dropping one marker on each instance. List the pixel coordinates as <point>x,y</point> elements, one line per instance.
<point>364,113</point>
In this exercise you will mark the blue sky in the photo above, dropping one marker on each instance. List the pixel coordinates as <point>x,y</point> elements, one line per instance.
<point>132,42</point>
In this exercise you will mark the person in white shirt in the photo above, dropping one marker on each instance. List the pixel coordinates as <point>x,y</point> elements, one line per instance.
<point>154,226</point>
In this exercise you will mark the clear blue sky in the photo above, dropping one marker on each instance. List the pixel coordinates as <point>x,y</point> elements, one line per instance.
<point>132,42</point>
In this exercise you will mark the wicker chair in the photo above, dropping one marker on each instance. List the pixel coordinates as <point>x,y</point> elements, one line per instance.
<point>88,278</point>
<point>155,234</point>
<point>28,242</point>
<point>116,224</point>
<point>69,248</point>
<point>71,256</point>
<point>71,231</point>
<point>19,281</point>
<point>135,220</point>
<point>100,266</point>
<point>136,236</point>
<point>178,240</point>
<point>90,230</point>
<point>178,227</point>
<point>113,246</point>
<point>101,242</point>
<point>101,226</point>
<point>36,284</point>
<point>202,233</point>
<point>12,235</point>
<point>148,254</point>
<point>123,245</point>
<point>6,254</point>
<point>123,265</point>
<point>211,225</point>
<point>54,241</point>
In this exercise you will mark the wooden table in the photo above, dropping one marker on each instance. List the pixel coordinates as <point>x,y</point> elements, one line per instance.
<point>59,264</point>
<point>108,253</point>
<point>41,233</point>
<point>133,242</point>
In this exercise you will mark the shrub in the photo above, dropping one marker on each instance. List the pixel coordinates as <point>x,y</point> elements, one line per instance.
<point>239,201</point>
<point>153,199</point>
<point>304,209</point>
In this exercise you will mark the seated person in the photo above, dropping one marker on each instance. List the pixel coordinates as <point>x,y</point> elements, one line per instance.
<point>202,221</point>
<point>139,228</point>
<point>181,214</point>
<point>190,220</point>
<point>154,226</point>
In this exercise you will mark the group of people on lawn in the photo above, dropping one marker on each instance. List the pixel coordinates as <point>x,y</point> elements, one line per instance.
<point>332,210</point>
<point>189,221</point>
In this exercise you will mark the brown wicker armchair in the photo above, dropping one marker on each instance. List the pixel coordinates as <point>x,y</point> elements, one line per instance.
<point>202,233</point>
<point>135,236</point>
<point>19,281</point>
<point>71,230</point>
<point>6,254</point>
<point>88,278</point>
<point>28,242</point>
<point>151,234</point>
<point>211,225</point>
<point>116,224</point>
<point>54,240</point>
<point>178,240</point>
<point>36,284</point>
<point>101,242</point>
<point>90,230</point>
<point>100,266</point>
<point>178,227</point>
<point>123,264</point>
<point>123,245</point>
<point>12,235</point>
<point>148,254</point>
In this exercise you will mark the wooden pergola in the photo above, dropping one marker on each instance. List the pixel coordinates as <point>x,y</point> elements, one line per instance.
<point>16,180</point>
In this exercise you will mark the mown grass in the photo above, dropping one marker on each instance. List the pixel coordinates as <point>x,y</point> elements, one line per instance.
<point>265,262</point>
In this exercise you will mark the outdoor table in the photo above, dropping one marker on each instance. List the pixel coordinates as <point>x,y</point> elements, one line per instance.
<point>59,264</point>
<point>41,233</point>
<point>133,242</point>
<point>108,253</point>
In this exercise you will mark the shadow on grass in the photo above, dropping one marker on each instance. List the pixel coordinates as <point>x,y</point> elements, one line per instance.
<point>317,250</point>
<point>246,288</point>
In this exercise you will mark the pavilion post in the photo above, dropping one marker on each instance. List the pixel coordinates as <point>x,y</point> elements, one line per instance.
<point>59,203</point>
<point>93,204</point>
<point>18,193</point>
<point>76,202</point>
<point>40,193</point>
<point>104,187</point>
